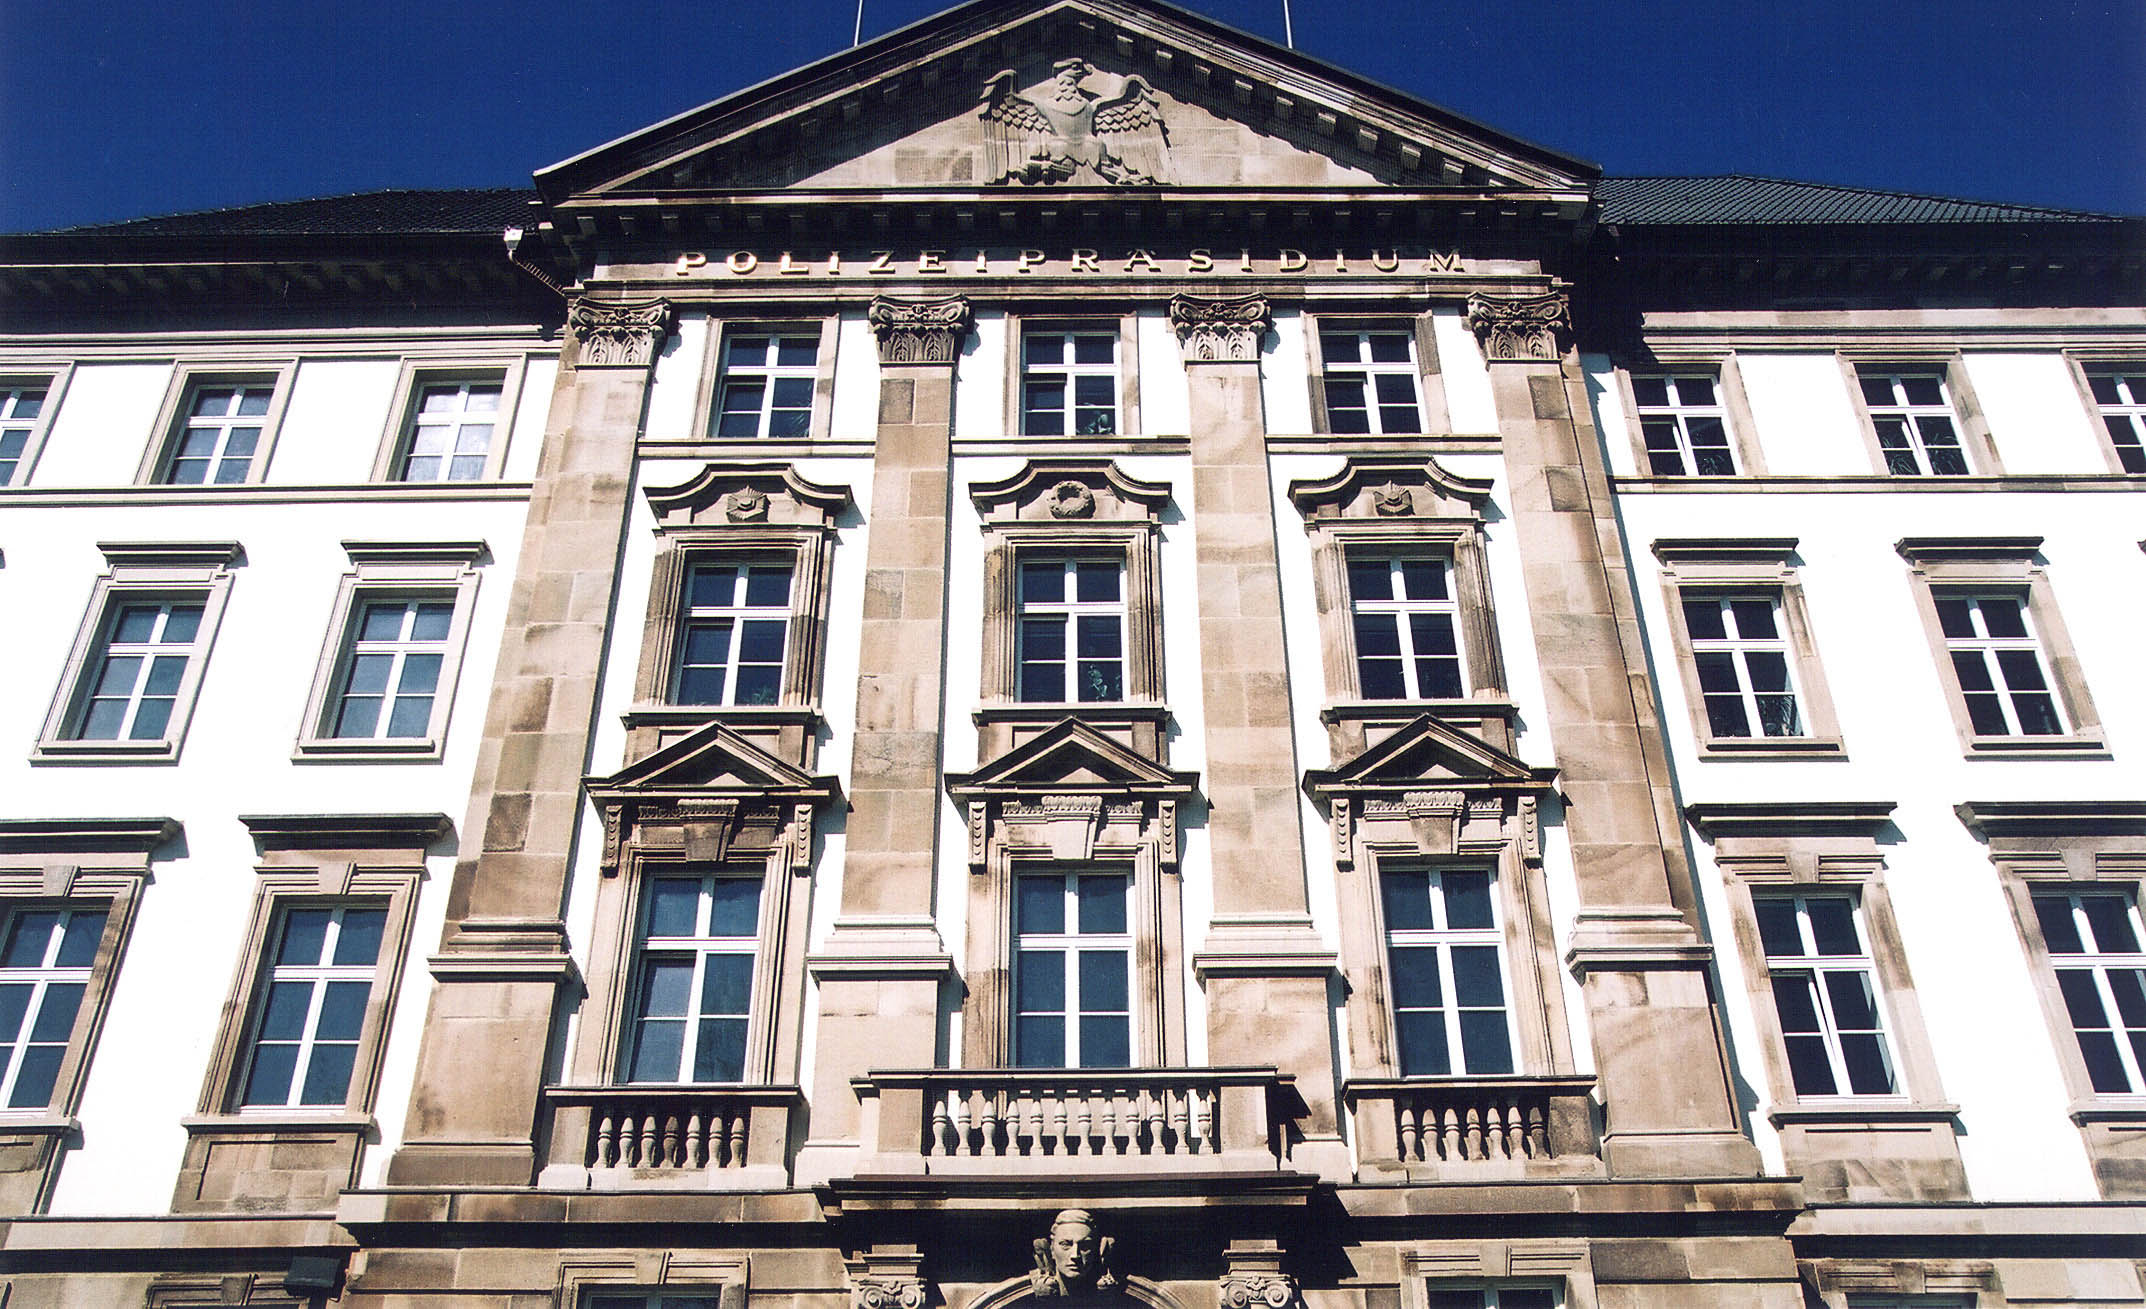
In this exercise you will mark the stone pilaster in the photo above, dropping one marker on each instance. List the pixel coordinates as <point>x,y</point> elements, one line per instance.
<point>882,968</point>
<point>503,957</point>
<point>1644,971</point>
<point>1264,969</point>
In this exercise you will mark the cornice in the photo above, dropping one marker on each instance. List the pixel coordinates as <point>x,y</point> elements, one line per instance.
<point>346,831</point>
<point>41,835</point>
<point>1997,818</point>
<point>1724,549</point>
<point>1791,818</point>
<point>1977,549</point>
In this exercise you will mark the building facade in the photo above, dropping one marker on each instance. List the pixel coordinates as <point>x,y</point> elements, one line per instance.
<point>1072,657</point>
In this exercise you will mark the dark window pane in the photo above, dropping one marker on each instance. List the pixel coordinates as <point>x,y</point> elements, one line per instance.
<point>1039,1041</point>
<point>1476,984</point>
<point>1102,903</point>
<point>657,1051</point>
<point>78,949</point>
<point>1695,392</point>
<point>1040,905</point>
<point>29,937</point>
<point>1877,390</point>
<point>1040,982</point>
<point>2060,931</point>
<point>1870,1069</point>
<point>1370,579</point>
<point>305,932</point>
<point>726,984</point>
<point>55,1020</point>
<point>1415,979</point>
<point>1794,1004</point>
<point>1778,932</point>
<point>1923,390</point>
<point>1406,896</point>
<point>719,1055</point>
<point>1833,925</point>
<point>1105,1042</point>
<point>342,1011</point>
<point>1467,897</point>
<point>1651,392</point>
<point>1389,348</point>
<point>1808,1068</point>
<point>1703,619</point>
<point>1486,1047</point>
<point>2081,1000</point>
<point>1094,348</point>
<point>2104,1066</point>
<point>1338,347</point>
<point>2107,916</point>
<point>734,906</point>
<point>1102,982</point>
<point>2003,616</point>
<point>673,906</point>
<point>797,351</point>
<point>1096,580</point>
<point>33,1080</point>
<point>269,1081</point>
<point>1423,1044</point>
<point>358,943</point>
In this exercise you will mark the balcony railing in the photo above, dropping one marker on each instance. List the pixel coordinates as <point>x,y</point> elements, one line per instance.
<point>1075,1120</point>
<point>1475,1126</point>
<point>614,1137</point>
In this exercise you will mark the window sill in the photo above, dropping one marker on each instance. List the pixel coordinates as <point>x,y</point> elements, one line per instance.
<point>246,1122</point>
<point>105,752</point>
<point>1726,748</point>
<point>2037,747</point>
<point>317,750</point>
<point>2113,1110</point>
<point>1477,706</point>
<point>697,715</point>
<point>1850,1111</point>
<point>38,1123</point>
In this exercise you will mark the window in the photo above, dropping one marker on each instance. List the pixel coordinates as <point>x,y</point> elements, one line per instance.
<point>1741,656</point>
<point>452,428</point>
<point>733,632</point>
<point>1914,422</point>
<point>1370,381</point>
<point>21,409</point>
<point>1683,424</point>
<point>311,1012</point>
<point>221,434</point>
<point>1072,629</point>
<point>1824,995</point>
<point>2092,936</point>
<point>45,966</point>
<point>693,993</point>
<point>387,677</point>
<point>2119,392</point>
<point>1072,971</point>
<point>1491,1297</point>
<point>767,385</point>
<point>653,1300</point>
<point>1999,665</point>
<point>1404,618</point>
<point>1069,382</point>
<point>141,665</point>
<point>393,672</point>
<point>1447,979</point>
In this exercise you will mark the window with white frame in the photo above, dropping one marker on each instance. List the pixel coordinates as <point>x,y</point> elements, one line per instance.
<point>310,1015</point>
<point>1684,424</point>
<point>1072,971</point>
<point>390,681</point>
<point>766,384</point>
<point>1371,381</point>
<point>453,423</point>
<point>651,1300</point>
<point>1406,624</point>
<point>2119,394</point>
<point>1825,994</point>
<point>1072,628</point>
<point>2093,940</point>
<point>1998,662</point>
<point>45,963</point>
<point>22,406</point>
<point>139,669</point>
<point>219,434</point>
<point>733,631</point>
<point>1741,655</point>
<point>1917,431</point>
<point>1491,1297</point>
<point>697,942</point>
<point>1069,382</point>
<point>1446,971</point>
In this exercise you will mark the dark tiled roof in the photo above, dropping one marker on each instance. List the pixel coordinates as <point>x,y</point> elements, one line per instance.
<point>365,214</point>
<point>1737,199</point>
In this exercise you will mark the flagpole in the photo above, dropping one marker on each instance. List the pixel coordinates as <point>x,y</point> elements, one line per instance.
<point>1289,35</point>
<point>856,35</point>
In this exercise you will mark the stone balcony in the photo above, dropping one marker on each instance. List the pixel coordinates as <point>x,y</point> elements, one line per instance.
<point>613,1138</point>
<point>1069,1122</point>
<point>1474,1128</point>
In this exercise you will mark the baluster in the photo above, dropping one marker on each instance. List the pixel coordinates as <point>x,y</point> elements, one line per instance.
<point>694,1152</point>
<point>1031,1123</point>
<point>1181,1121</point>
<point>1515,1132</point>
<point>606,1139</point>
<point>988,1124</point>
<point>1152,1104</point>
<point>1056,1141</point>
<point>1538,1129</point>
<point>938,1135</point>
<point>1446,1117</point>
<point>1408,1125</point>
<point>965,1121</point>
<point>1475,1132</point>
<point>1202,1110</point>
<point>734,1140</point>
<point>644,1138</point>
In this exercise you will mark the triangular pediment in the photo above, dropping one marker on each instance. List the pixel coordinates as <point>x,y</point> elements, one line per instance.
<point>1428,753</point>
<point>987,97</point>
<point>1070,757</point>
<point>711,760</point>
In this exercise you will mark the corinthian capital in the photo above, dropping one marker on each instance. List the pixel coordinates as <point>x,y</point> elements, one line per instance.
<point>1520,328</point>
<point>919,331</point>
<point>619,335</point>
<point>1220,331</point>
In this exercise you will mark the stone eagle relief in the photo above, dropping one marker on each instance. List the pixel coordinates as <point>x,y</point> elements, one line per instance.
<point>1073,134</point>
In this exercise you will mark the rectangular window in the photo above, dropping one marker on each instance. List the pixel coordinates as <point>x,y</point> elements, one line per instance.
<point>1491,1297</point>
<point>1825,995</point>
<point>1072,629</point>
<point>138,670</point>
<point>45,964</point>
<point>451,430</point>
<point>1684,424</point>
<point>2093,938</point>
<point>1742,658</point>
<point>693,992</point>
<point>1999,664</point>
<point>1371,381</point>
<point>21,408</point>
<point>1072,971</point>
<point>311,1010</point>
<point>220,433</point>
<point>1069,383</point>
<point>653,1300</point>
<point>1407,646</point>
<point>733,633</point>
<point>2119,393</point>
<point>391,672</point>
<point>765,389</point>
<point>1917,431</point>
<point>1443,948</point>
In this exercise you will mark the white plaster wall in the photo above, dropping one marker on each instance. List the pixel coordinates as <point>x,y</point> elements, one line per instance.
<point>526,445</point>
<point>1467,377</point>
<point>102,428</point>
<point>1610,418</point>
<point>2038,419</point>
<point>1165,393</point>
<point>1285,376</point>
<point>1994,1050</point>
<point>335,421</point>
<point>979,381</point>
<point>674,386</point>
<point>1806,418</point>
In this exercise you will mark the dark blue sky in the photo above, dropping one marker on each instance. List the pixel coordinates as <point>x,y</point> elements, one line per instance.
<point>126,108</point>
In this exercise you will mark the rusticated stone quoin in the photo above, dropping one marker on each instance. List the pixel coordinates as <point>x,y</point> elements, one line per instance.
<point>621,335</point>
<point>1220,331</point>
<point>1521,327</point>
<point>919,331</point>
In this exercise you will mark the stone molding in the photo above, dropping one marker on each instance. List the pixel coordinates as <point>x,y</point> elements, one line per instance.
<point>882,1280</point>
<point>1521,329</point>
<point>619,335</point>
<point>1256,1287</point>
<point>1220,331</point>
<point>920,331</point>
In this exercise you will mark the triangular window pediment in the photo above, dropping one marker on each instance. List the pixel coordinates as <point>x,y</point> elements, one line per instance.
<point>1071,757</point>
<point>712,759</point>
<point>1428,752</point>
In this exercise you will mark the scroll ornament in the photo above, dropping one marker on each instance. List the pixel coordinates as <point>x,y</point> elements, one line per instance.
<point>1220,331</point>
<point>919,331</point>
<point>1520,328</point>
<point>619,335</point>
<point>879,1291</point>
<point>1261,1290</point>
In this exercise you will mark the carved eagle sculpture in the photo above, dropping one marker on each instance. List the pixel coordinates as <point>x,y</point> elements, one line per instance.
<point>1120,141</point>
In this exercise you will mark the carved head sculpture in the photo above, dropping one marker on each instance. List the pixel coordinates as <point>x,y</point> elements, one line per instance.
<point>1074,1260</point>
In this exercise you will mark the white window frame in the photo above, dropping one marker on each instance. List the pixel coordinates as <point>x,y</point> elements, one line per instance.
<point>1678,415</point>
<point>2098,963</point>
<point>34,429</point>
<point>317,977</point>
<point>1986,649</point>
<point>1808,965</point>
<point>187,381</point>
<point>701,946</point>
<point>1909,413</point>
<point>1069,612</point>
<point>1497,1295</point>
<point>389,571</point>
<point>1069,945</point>
<point>1401,609</point>
<point>770,372</point>
<point>139,574</point>
<point>741,566</point>
<point>2116,394</point>
<point>1739,648</point>
<point>41,977</point>
<point>508,371</point>
<point>1067,369</point>
<point>1369,371</point>
<point>1444,939</point>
